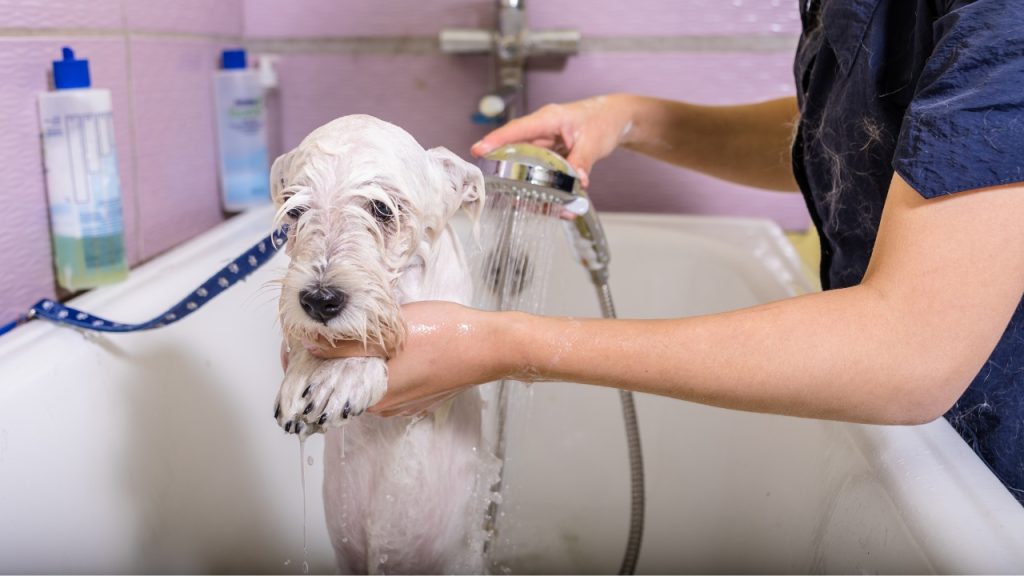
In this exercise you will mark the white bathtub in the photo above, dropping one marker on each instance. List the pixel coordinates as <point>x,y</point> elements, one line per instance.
<point>157,452</point>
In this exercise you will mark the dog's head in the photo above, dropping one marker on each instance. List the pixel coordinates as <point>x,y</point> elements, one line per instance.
<point>365,204</point>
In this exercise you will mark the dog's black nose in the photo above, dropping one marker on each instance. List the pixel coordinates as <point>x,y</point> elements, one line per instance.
<point>322,303</point>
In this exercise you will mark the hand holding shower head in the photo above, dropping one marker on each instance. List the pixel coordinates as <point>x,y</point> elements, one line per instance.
<point>534,174</point>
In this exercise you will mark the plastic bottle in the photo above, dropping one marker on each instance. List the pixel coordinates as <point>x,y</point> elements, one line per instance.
<point>82,180</point>
<point>242,134</point>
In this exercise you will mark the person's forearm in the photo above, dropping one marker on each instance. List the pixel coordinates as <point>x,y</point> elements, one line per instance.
<point>843,354</point>
<point>747,144</point>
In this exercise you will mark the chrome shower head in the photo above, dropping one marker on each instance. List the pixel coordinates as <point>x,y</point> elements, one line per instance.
<point>533,174</point>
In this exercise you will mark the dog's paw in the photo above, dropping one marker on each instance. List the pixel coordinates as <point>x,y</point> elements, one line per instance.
<point>290,402</point>
<point>320,393</point>
<point>343,388</point>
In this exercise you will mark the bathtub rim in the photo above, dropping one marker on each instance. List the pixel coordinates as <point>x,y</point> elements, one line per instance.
<point>960,486</point>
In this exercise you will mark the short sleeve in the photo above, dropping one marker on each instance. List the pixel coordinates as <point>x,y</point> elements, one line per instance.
<point>964,128</point>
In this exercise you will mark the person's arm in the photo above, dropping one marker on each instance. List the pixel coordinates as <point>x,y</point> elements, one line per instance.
<point>748,144</point>
<point>901,347</point>
<point>944,279</point>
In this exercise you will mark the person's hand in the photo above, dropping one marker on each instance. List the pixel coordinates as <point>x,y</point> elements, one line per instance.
<point>585,131</point>
<point>448,347</point>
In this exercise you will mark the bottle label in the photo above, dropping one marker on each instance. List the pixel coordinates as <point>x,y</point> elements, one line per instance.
<point>242,142</point>
<point>246,116</point>
<point>82,178</point>
<point>83,183</point>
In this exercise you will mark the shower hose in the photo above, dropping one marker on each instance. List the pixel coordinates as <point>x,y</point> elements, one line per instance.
<point>636,458</point>
<point>635,453</point>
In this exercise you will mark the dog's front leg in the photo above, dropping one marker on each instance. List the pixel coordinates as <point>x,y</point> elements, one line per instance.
<point>317,393</point>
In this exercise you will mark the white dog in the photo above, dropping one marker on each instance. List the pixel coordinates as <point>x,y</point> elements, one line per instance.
<point>368,210</point>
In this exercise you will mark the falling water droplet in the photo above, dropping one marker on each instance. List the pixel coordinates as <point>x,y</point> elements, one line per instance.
<point>302,476</point>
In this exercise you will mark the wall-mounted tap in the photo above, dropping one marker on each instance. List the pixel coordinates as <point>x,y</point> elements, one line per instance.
<point>512,44</point>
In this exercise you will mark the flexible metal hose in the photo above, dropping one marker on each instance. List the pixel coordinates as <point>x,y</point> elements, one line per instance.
<point>636,457</point>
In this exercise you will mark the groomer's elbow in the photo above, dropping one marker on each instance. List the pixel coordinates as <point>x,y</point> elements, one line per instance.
<point>925,392</point>
<point>917,408</point>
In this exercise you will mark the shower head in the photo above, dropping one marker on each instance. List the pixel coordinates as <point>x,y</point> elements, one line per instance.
<point>530,173</point>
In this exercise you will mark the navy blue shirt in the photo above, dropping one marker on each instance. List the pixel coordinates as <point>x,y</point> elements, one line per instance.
<point>933,90</point>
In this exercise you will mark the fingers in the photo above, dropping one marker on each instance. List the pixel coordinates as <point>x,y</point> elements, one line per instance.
<point>584,152</point>
<point>541,125</point>
<point>582,173</point>
<point>343,349</point>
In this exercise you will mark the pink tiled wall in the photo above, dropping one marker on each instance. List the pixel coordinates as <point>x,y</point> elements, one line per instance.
<point>331,18</point>
<point>175,148</point>
<point>36,14</point>
<point>25,262</point>
<point>157,59</point>
<point>345,56</point>
<point>668,17</point>
<point>214,17</point>
<point>627,181</point>
<point>427,96</point>
<point>433,95</point>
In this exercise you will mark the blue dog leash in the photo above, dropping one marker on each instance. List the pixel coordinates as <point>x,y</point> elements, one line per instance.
<point>236,271</point>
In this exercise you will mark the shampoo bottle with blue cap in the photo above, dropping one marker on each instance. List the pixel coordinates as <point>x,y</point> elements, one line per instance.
<point>82,180</point>
<point>241,134</point>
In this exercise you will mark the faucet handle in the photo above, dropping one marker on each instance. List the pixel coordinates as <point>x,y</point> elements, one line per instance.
<point>466,41</point>
<point>560,42</point>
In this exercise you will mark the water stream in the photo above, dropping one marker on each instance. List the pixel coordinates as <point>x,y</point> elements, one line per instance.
<point>511,271</point>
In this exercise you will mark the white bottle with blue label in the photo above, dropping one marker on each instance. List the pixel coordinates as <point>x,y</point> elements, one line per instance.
<point>82,180</point>
<point>242,134</point>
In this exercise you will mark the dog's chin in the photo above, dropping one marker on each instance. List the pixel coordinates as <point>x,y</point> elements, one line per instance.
<point>307,330</point>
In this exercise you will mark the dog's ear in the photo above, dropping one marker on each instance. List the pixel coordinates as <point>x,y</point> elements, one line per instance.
<point>464,184</point>
<point>280,172</point>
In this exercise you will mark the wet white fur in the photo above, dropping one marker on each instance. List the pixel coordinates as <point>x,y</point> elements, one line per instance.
<point>401,494</point>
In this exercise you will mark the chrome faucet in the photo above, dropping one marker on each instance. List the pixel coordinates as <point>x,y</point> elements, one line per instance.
<point>512,43</point>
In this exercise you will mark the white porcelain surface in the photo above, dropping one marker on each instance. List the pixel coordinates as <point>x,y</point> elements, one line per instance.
<point>157,451</point>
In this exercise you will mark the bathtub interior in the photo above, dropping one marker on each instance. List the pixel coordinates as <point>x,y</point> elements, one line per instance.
<point>727,492</point>
<point>156,452</point>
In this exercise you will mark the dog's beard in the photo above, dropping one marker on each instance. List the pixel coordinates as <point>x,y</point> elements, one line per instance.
<point>372,314</point>
<point>356,258</point>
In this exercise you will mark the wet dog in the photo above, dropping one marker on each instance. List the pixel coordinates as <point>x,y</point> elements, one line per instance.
<point>368,212</point>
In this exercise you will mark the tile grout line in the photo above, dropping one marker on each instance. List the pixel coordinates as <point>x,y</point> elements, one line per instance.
<point>133,135</point>
<point>124,30</point>
<point>428,45</point>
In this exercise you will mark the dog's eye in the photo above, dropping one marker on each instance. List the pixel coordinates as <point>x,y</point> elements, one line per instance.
<point>381,211</point>
<point>294,213</point>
